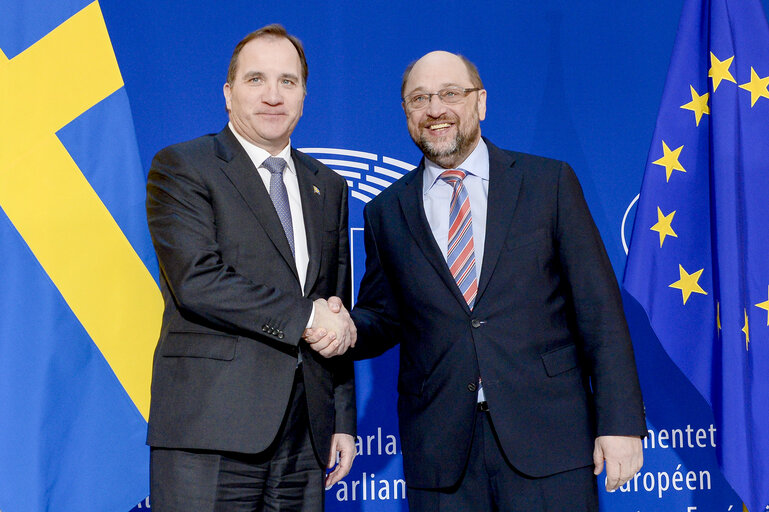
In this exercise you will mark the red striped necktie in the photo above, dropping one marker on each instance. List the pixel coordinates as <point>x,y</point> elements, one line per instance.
<point>460,255</point>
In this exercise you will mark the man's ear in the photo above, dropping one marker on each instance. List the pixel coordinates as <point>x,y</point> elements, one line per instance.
<point>227,90</point>
<point>482,104</point>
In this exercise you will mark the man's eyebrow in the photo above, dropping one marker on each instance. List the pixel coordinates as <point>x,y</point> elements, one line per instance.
<point>445,85</point>
<point>253,74</point>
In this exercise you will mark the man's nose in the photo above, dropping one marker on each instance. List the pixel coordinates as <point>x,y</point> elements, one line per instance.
<point>272,94</point>
<point>435,107</point>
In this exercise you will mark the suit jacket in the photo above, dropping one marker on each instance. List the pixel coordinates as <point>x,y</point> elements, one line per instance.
<point>547,333</point>
<point>234,311</point>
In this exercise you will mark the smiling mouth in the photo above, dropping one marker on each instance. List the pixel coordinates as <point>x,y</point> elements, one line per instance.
<point>439,126</point>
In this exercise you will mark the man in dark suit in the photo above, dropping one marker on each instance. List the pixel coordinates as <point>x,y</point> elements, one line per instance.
<point>250,235</point>
<point>517,377</point>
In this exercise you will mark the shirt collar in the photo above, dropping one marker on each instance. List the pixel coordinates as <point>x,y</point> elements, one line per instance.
<point>259,155</point>
<point>476,164</point>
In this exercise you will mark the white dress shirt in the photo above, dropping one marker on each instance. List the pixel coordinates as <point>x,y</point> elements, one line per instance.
<point>258,156</point>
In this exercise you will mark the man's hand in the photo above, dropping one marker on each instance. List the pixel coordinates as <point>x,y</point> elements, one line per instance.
<point>332,331</point>
<point>344,445</point>
<point>623,456</point>
<point>335,305</point>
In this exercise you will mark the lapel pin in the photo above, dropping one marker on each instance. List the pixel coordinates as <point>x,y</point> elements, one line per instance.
<point>316,190</point>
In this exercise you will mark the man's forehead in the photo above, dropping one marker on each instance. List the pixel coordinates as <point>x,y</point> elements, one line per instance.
<point>270,49</point>
<point>438,69</point>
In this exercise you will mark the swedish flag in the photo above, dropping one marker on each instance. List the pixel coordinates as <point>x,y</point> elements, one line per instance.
<point>699,256</point>
<point>79,304</point>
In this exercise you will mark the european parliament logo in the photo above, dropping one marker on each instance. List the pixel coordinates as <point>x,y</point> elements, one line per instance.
<point>627,224</point>
<point>367,174</point>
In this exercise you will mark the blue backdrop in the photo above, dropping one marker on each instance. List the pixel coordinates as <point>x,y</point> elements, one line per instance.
<point>577,81</point>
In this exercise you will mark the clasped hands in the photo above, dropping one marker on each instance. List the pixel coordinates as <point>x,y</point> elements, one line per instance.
<point>332,331</point>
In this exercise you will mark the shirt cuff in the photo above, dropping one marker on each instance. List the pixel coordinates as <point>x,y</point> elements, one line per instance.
<point>312,317</point>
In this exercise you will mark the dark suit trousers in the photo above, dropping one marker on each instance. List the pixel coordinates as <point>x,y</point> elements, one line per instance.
<point>286,477</point>
<point>490,484</point>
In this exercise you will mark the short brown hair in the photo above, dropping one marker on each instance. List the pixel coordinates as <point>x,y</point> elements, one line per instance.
<point>475,77</point>
<point>274,30</point>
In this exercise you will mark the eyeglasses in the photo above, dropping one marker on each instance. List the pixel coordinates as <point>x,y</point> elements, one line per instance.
<point>448,96</point>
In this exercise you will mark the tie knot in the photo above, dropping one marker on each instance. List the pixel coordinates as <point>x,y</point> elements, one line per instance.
<point>274,164</point>
<point>453,176</point>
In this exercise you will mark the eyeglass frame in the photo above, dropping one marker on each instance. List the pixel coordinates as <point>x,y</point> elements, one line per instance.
<point>465,91</point>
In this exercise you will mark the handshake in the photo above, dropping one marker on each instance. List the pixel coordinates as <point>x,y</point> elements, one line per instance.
<point>332,331</point>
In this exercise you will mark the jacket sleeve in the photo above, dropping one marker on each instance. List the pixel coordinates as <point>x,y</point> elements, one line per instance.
<point>598,316</point>
<point>206,288</point>
<point>344,374</point>
<point>375,311</point>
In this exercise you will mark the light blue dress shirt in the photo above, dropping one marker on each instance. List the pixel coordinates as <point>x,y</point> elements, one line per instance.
<point>437,200</point>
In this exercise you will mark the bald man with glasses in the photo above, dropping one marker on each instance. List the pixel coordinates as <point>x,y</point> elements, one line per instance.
<point>517,378</point>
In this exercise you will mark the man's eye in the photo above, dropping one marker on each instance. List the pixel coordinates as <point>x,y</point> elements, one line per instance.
<point>450,94</point>
<point>255,79</point>
<point>420,98</point>
<point>286,81</point>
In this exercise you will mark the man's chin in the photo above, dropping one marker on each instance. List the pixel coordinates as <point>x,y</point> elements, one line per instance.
<point>435,151</point>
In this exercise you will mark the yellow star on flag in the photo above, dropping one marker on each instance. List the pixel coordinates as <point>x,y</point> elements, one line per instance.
<point>719,70</point>
<point>765,305</point>
<point>663,226</point>
<point>745,329</point>
<point>670,161</point>
<point>687,283</point>
<point>757,87</point>
<point>698,105</point>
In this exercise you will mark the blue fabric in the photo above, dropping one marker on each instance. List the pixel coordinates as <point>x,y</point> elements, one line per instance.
<point>102,142</point>
<point>71,437</point>
<point>698,256</point>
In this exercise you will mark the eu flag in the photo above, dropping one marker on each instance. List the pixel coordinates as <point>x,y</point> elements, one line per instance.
<point>699,257</point>
<point>79,304</point>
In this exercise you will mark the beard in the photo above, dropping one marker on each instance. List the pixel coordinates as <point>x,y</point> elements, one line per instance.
<point>441,149</point>
<point>453,152</point>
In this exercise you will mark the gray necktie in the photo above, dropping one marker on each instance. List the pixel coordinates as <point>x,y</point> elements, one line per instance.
<point>279,196</point>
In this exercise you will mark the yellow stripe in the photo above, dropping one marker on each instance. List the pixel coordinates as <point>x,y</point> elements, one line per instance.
<point>56,210</point>
<point>58,78</point>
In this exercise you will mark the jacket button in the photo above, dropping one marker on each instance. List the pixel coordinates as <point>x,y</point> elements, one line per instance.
<point>280,335</point>
<point>475,323</point>
<point>471,387</point>
<point>264,328</point>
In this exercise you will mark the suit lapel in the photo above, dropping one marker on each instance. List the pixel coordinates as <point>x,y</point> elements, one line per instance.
<point>504,186</point>
<point>413,209</point>
<point>241,171</point>
<point>313,195</point>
